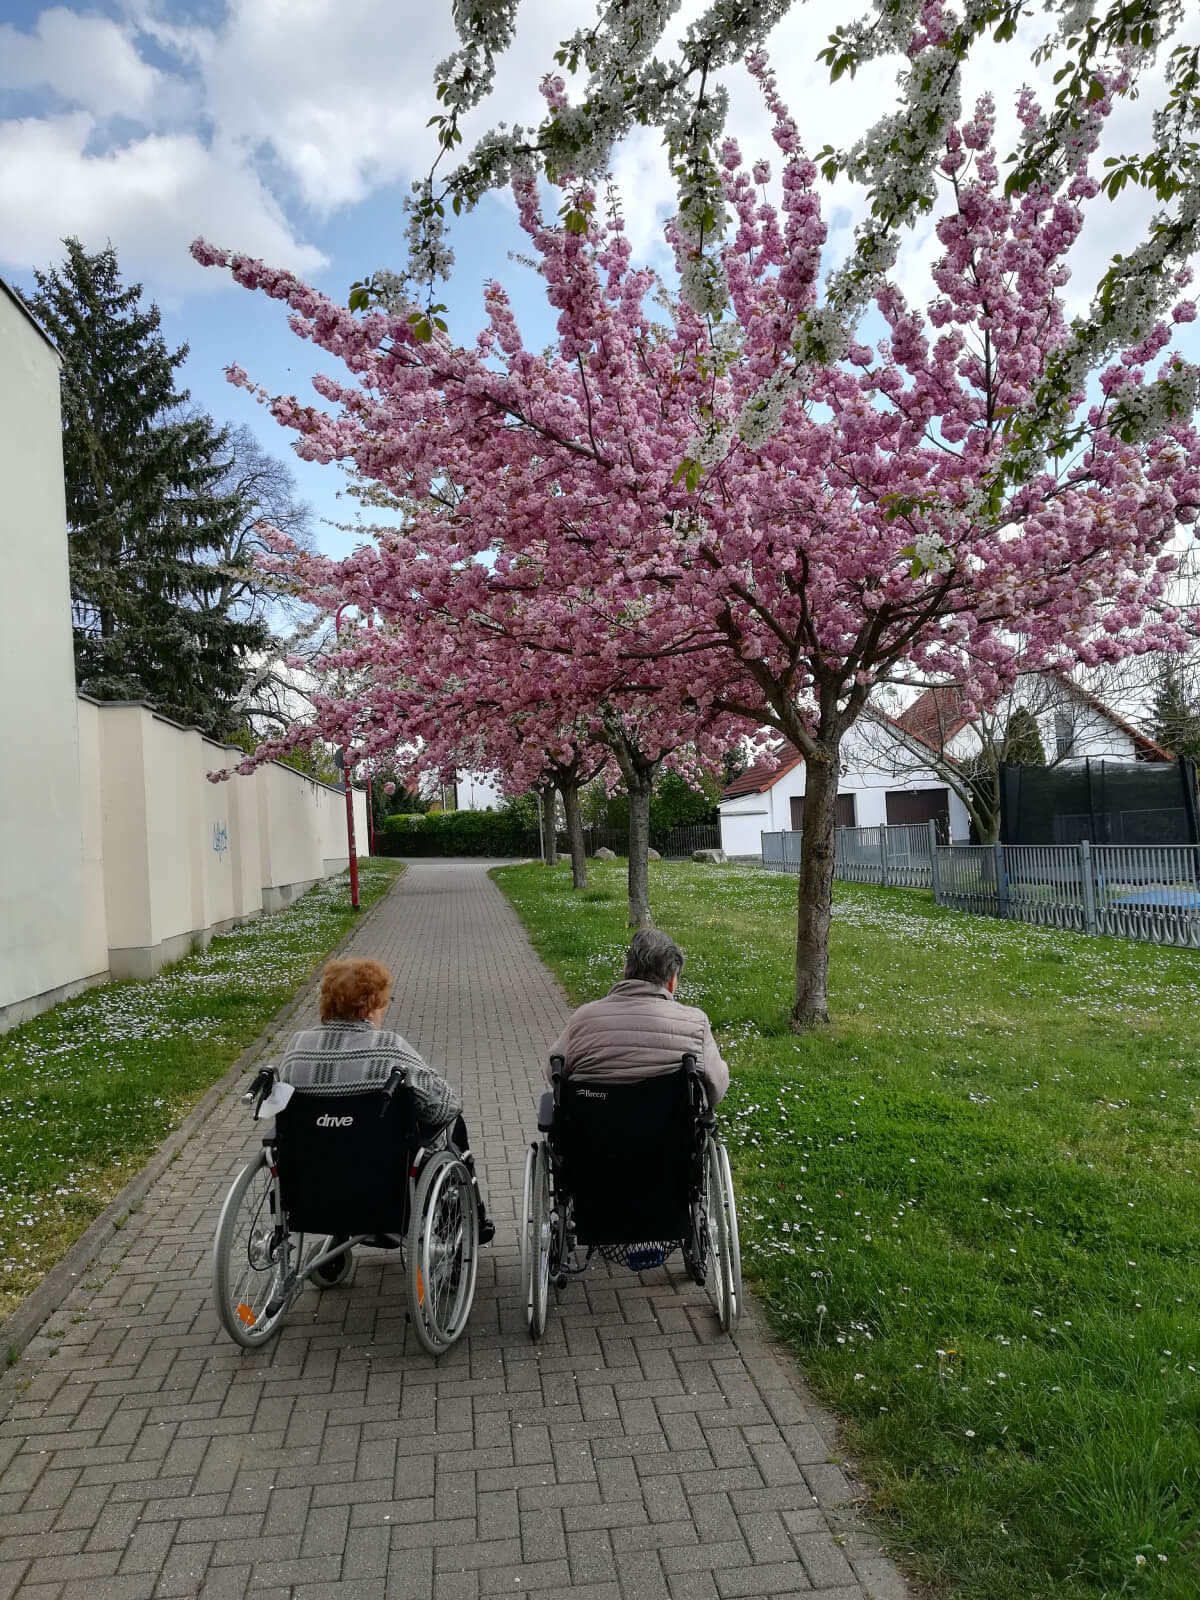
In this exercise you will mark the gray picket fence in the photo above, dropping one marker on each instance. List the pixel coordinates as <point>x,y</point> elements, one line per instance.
<point>1148,892</point>
<point>899,857</point>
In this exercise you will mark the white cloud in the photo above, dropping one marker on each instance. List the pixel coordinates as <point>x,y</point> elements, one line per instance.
<point>87,61</point>
<point>151,197</point>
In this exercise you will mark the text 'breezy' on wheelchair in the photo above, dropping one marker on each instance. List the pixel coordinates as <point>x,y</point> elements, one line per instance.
<point>632,1171</point>
<point>346,1167</point>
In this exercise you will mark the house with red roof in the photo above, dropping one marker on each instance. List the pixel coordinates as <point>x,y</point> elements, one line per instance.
<point>894,769</point>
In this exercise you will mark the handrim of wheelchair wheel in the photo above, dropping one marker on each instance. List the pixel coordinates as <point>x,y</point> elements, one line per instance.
<point>442,1255</point>
<point>253,1277</point>
<point>719,1205</point>
<point>537,1227</point>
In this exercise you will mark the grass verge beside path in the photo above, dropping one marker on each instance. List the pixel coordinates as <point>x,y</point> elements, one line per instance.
<point>90,1089</point>
<point>970,1205</point>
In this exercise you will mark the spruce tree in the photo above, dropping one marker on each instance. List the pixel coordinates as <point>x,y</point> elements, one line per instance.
<point>146,512</point>
<point>1022,741</point>
<point>1176,717</point>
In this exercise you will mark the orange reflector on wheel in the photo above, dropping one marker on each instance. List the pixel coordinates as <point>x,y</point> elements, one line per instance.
<point>247,1316</point>
<point>420,1288</point>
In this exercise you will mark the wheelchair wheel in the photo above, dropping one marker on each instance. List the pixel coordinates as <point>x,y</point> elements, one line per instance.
<point>334,1271</point>
<point>718,1278</point>
<point>442,1253</point>
<point>526,1228</point>
<point>253,1280</point>
<point>537,1234</point>
<point>732,1237</point>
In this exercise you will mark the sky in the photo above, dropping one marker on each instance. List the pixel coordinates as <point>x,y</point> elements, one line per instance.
<point>291,129</point>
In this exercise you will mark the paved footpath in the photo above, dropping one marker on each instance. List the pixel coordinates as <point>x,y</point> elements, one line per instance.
<point>636,1454</point>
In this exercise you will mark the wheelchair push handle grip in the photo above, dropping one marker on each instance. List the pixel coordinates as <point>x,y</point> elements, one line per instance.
<point>396,1079</point>
<point>260,1086</point>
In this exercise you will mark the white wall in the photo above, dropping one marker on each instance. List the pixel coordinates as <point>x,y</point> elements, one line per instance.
<point>116,853</point>
<point>44,946</point>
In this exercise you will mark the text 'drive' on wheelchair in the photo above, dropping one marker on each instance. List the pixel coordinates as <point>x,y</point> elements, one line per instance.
<point>631,1171</point>
<point>343,1168</point>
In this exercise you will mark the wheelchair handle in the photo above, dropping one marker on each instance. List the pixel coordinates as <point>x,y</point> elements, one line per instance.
<point>260,1087</point>
<point>396,1079</point>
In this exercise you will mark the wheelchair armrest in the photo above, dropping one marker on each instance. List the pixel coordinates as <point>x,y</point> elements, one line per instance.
<point>545,1112</point>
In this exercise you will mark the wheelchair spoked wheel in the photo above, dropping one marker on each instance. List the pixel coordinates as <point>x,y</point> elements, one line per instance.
<point>538,1239</point>
<point>442,1254</point>
<point>718,1279</point>
<point>733,1236</point>
<point>253,1278</point>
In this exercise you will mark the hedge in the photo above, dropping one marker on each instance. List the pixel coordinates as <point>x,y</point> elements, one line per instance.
<point>456,833</point>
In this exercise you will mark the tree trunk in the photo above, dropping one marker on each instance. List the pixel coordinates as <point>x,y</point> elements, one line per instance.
<point>570,795</point>
<point>815,900</point>
<point>549,831</point>
<point>639,848</point>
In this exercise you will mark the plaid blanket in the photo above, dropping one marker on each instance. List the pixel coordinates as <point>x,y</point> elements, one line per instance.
<point>345,1057</point>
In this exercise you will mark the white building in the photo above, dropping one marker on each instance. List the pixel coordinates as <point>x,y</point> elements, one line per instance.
<point>872,790</point>
<point>883,780</point>
<point>474,791</point>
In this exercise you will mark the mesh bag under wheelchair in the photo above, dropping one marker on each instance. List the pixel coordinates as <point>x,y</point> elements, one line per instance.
<point>343,1161</point>
<point>629,1161</point>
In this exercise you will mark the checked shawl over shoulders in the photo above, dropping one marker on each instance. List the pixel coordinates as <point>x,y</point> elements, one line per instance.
<point>344,1057</point>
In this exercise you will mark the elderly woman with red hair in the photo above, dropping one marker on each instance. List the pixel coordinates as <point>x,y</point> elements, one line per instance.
<point>353,1046</point>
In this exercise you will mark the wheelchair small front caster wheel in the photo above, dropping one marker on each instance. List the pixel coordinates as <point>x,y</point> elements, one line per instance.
<point>561,1281</point>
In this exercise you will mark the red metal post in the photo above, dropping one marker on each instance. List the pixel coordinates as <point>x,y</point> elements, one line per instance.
<point>350,833</point>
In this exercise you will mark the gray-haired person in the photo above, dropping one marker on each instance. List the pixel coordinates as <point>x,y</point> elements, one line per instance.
<point>639,1029</point>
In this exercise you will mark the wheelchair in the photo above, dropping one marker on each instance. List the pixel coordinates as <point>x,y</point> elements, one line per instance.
<point>342,1169</point>
<point>633,1172</point>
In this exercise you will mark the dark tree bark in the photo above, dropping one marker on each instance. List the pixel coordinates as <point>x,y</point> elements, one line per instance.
<point>639,851</point>
<point>570,797</point>
<point>549,831</point>
<point>639,771</point>
<point>815,894</point>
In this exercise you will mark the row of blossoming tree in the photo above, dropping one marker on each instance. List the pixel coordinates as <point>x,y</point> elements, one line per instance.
<point>667,530</point>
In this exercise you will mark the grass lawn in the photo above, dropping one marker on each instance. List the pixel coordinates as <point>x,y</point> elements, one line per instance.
<point>970,1205</point>
<point>90,1089</point>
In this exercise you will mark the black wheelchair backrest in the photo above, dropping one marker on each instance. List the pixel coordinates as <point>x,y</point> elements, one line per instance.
<point>344,1159</point>
<point>630,1155</point>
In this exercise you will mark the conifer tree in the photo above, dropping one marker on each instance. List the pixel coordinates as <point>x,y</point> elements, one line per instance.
<point>1176,716</point>
<point>1023,745</point>
<point>146,510</point>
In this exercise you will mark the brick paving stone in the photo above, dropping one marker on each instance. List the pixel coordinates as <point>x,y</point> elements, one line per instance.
<point>635,1454</point>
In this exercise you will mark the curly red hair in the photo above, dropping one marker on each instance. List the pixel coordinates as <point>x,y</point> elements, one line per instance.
<point>351,990</point>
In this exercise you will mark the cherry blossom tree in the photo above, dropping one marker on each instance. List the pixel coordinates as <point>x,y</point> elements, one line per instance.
<point>657,502</point>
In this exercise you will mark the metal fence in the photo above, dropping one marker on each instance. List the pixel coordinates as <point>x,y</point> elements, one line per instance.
<point>897,857</point>
<point>1149,892</point>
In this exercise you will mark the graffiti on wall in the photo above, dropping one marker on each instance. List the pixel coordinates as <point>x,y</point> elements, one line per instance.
<point>220,838</point>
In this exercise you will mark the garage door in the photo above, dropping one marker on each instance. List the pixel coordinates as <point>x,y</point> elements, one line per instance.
<point>919,805</point>
<point>845,811</point>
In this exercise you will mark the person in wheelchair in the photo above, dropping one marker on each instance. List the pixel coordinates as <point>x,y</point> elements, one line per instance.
<point>635,1078</point>
<point>639,1029</point>
<point>352,1048</point>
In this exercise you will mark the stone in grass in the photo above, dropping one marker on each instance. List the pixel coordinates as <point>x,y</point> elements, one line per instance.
<point>711,858</point>
<point>605,854</point>
<point>653,855</point>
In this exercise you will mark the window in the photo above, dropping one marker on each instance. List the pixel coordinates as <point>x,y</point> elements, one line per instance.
<point>1064,735</point>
